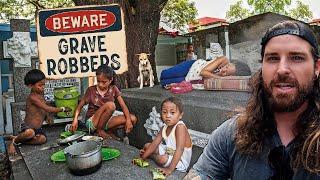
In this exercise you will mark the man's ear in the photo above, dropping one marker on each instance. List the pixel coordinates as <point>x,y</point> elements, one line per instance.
<point>317,68</point>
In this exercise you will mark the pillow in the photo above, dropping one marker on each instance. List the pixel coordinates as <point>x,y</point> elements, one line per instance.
<point>234,83</point>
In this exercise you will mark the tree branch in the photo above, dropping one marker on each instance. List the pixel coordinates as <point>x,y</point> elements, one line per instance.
<point>36,4</point>
<point>161,4</point>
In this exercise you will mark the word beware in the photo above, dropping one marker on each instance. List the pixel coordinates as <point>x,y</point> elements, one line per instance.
<point>80,21</point>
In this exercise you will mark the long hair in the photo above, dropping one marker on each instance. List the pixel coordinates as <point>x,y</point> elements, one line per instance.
<point>252,127</point>
<point>307,149</point>
<point>257,121</point>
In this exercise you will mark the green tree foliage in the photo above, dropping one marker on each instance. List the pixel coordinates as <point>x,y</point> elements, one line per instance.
<point>26,8</point>
<point>238,12</point>
<point>301,12</point>
<point>276,6</point>
<point>179,13</point>
<point>176,14</point>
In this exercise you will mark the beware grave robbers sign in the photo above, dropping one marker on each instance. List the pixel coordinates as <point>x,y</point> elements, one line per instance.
<point>74,42</point>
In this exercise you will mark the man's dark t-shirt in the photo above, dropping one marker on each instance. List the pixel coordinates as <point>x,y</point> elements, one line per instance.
<point>220,159</point>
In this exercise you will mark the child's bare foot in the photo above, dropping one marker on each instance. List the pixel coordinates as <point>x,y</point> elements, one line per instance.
<point>12,152</point>
<point>9,137</point>
<point>103,134</point>
<point>11,149</point>
<point>113,136</point>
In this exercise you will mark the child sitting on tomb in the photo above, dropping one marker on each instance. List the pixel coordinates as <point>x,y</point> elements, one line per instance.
<point>37,111</point>
<point>101,115</point>
<point>172,147</point>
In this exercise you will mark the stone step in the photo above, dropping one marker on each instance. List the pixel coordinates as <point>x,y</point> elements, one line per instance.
<point>204,111</point>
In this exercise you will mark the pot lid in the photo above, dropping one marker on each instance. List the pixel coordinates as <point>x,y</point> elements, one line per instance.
<point>72,138</point>
<point>82,148</point>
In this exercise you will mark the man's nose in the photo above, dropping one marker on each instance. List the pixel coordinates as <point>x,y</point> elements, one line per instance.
<point>283,67</point>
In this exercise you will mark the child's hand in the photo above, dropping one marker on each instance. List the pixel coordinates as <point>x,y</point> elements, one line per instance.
<point>128,126</point>
<point>74,126</point>
<point>141,152</point>
<point>49,120</point>
<point>165,171</point>
<point>67,109</point>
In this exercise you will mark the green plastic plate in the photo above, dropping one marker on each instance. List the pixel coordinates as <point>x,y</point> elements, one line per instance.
<point>107,154</point>
<point>58,156</point>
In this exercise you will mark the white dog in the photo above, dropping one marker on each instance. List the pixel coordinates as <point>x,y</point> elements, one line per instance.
<point>145,70</point>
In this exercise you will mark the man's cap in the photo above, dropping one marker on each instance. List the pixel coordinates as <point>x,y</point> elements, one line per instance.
<point>300,30</point>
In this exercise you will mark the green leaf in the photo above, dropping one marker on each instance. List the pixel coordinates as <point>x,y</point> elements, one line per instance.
<point>238,12</point>
<point>178,14</point>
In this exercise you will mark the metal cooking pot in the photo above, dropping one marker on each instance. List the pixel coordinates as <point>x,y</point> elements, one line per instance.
<point>84,157</point>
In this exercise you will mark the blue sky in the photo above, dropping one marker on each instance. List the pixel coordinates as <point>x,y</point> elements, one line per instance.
<point>218,8</point>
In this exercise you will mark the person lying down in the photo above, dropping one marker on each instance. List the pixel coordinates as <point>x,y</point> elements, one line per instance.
<point>220,67</point>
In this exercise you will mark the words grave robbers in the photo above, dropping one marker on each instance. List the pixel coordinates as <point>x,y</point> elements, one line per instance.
<point>74,42</point>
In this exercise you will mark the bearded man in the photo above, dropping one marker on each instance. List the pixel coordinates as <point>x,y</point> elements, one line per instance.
<point>278,134</point>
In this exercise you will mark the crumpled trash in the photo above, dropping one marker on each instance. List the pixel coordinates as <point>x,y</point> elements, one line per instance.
<point>140,162</point>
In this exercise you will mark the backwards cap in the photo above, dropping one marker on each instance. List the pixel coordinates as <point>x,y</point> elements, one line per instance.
<point>292,28</point>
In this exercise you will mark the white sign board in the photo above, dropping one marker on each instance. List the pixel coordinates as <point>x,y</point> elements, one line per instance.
<point>74,42</point>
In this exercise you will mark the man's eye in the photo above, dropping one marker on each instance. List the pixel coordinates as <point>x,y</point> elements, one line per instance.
<point>272,58</point>
<point>297,58</point>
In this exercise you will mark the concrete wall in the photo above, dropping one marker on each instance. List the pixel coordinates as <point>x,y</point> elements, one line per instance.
<point>165,55</point>
<point>245,43</point>
<point>244,37</point>
<point>202,39</point>
<point>254,27</point>
<point>204,111</point>
<point>247,52</point>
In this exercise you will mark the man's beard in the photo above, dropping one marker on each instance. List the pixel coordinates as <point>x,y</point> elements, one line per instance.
<point>287,102</point>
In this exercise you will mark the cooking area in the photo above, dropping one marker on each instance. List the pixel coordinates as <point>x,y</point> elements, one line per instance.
<point>76,103</point>
<point>36,163</point>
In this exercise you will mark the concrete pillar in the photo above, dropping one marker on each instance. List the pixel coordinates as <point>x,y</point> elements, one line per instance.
<point>20,90</point>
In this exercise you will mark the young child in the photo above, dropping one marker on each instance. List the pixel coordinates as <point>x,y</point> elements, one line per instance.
<point>172,147</point>
<point>190,53</point>
<point>36,112</point>
<point>100,116</point>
